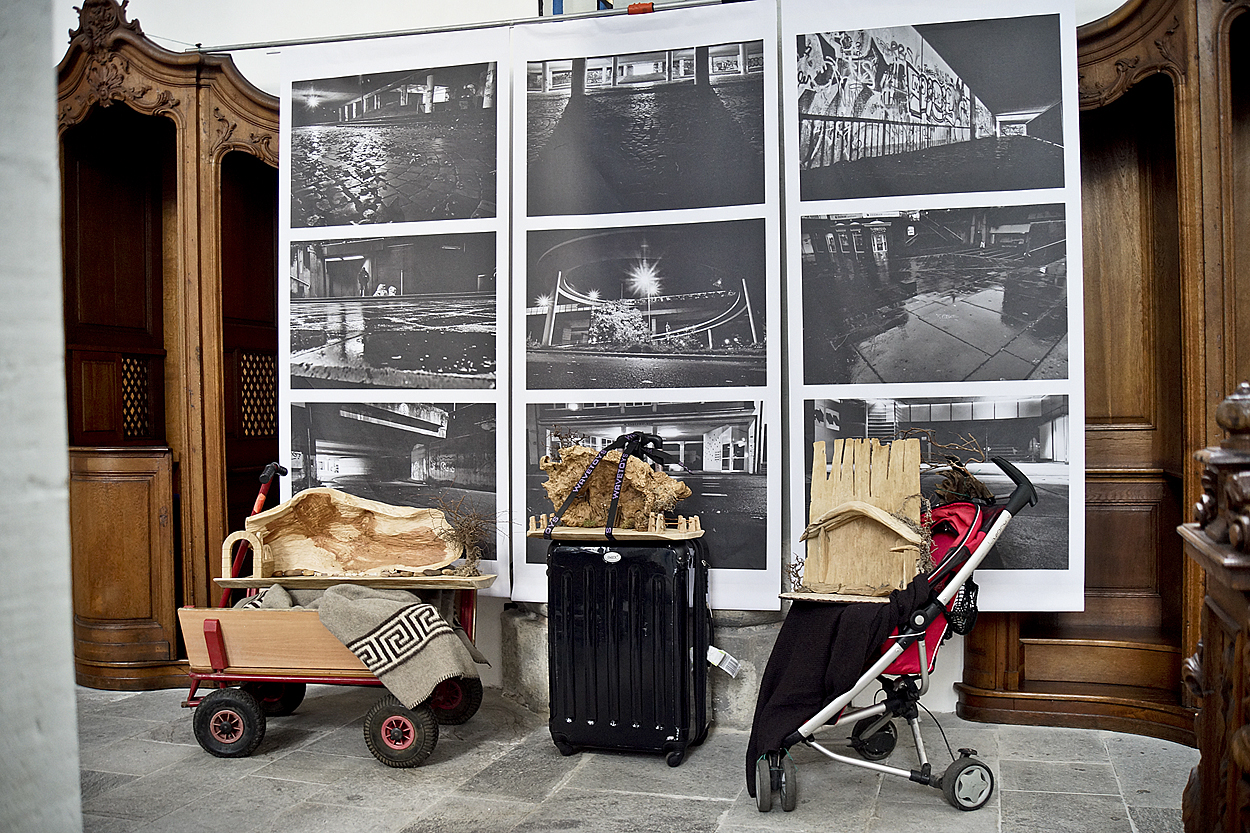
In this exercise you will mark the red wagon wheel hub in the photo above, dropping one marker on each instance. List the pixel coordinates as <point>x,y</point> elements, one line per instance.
<point>226,726</point>
<point>398,732</point>
<point>447,695</point>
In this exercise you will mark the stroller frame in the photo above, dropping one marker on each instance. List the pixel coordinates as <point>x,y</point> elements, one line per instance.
<point>967,783</point>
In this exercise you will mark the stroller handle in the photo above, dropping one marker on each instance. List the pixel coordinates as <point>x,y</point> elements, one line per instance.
<point>1024,494</point>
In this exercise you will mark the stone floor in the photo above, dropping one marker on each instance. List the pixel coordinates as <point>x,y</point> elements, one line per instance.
<point>142,770</point>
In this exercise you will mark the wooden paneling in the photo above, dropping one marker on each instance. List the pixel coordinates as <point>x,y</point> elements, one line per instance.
<point>123,576</point>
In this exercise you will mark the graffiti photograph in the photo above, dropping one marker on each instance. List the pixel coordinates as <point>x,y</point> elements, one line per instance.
<point>675,306</point>
<point>947,107</point>
<point>645,131</point>
<point>963,434</point>
<point>394,147</point>
<point>421,455</point>
<point>950,295</point>
<point>394,312</point>
<point>721,454</point>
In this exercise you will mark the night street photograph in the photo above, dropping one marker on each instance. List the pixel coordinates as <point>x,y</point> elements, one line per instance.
<point>394,312</point>
<point>674,306</point>
<point>965,106</point>
<point>680,128</point>
<point>394,147</point>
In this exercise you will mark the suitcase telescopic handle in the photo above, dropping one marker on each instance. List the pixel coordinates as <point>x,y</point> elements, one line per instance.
<point>1024,494</point>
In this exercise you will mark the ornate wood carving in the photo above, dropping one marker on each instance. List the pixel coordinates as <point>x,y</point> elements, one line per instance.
<point>214,112</point>
<point>1141,39</point>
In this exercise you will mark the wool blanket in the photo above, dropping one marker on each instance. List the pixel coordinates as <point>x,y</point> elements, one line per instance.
<point>820,652</point>
<point>404,641</point>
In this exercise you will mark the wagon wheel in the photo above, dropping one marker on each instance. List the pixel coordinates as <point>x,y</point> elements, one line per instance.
<point>398,736</point>
<point>229,723</point>
<point>454,701</point>
<point>277,699</point>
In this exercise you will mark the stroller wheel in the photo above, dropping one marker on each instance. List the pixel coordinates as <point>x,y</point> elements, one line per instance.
<point>967,784</point>
<point>789,783</point>
<point>763,785</point>
<point>876,746</point>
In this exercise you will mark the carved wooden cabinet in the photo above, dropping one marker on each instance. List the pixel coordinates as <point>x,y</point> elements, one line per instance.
<point>1165,130</point>
<point>169,187</point>
<point>1217,797</point>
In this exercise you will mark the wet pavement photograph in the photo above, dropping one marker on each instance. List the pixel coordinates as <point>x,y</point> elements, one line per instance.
<point>973,105</point>
<point>666,134</point>
<point>670,306</point>
<point>1030,432</point>
<point>394,147</point>
<point>719,445</point>
<point>935,296</point>
<point>396,312</point>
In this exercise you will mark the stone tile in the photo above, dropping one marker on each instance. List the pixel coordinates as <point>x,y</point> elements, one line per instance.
<point>381,787</point>
<point>160,793</point>
<point>935,817</point>
<point>1042,743</point>
<point>623,812</point>
<point>1152,772</point>
<point>311,817</point>
<point>92,823</point>
<point>348,740</point>
<point>465,814</point>
<point>313,767</point>
<point>531,770</point>
<point>1047,812</point>
<point>134,756</point>
<point>1156,819</point>
<point>102,729</point>
<point>249,804</point>
<point>93,783</point>
<point>706,771</point>
<point>1058,777</point>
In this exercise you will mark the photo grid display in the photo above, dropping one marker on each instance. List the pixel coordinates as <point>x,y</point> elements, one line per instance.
<point>646,240</point>
<point>502,240</point>
<point>395,321</point>
<point>932,228</point>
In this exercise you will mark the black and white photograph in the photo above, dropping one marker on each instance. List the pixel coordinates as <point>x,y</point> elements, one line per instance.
<point>950,295</point>
<point>673,306</point>
<point>1029,431</point>
<point>965,106</point>
<point>394,312</point>
<point>645,131</point>
<point>394,147</point>
<point>721,448</point>
<point>415,454</point>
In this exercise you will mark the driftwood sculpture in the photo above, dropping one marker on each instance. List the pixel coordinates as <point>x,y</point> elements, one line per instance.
<point>328,532</point>
<point>644,491</point>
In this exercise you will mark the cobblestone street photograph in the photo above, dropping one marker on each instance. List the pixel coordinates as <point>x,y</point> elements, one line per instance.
<point>394,147</point>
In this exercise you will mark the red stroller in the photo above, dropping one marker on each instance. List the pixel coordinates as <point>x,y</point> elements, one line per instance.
<point>898,644</point>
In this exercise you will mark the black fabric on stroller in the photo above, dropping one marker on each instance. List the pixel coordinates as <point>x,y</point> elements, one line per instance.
<point>821,651</point>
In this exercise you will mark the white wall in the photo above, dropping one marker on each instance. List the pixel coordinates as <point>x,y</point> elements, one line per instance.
<point>38,719</point>
<point>181,25</point>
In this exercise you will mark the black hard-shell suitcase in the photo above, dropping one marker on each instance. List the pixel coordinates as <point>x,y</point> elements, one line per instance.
<point>628,633</point>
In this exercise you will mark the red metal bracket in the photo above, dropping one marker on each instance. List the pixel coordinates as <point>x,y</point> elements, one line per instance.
<point>641,8</point>
<point>216,644</point>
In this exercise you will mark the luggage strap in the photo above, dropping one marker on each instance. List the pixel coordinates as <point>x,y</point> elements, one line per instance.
<point>633,444</point>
